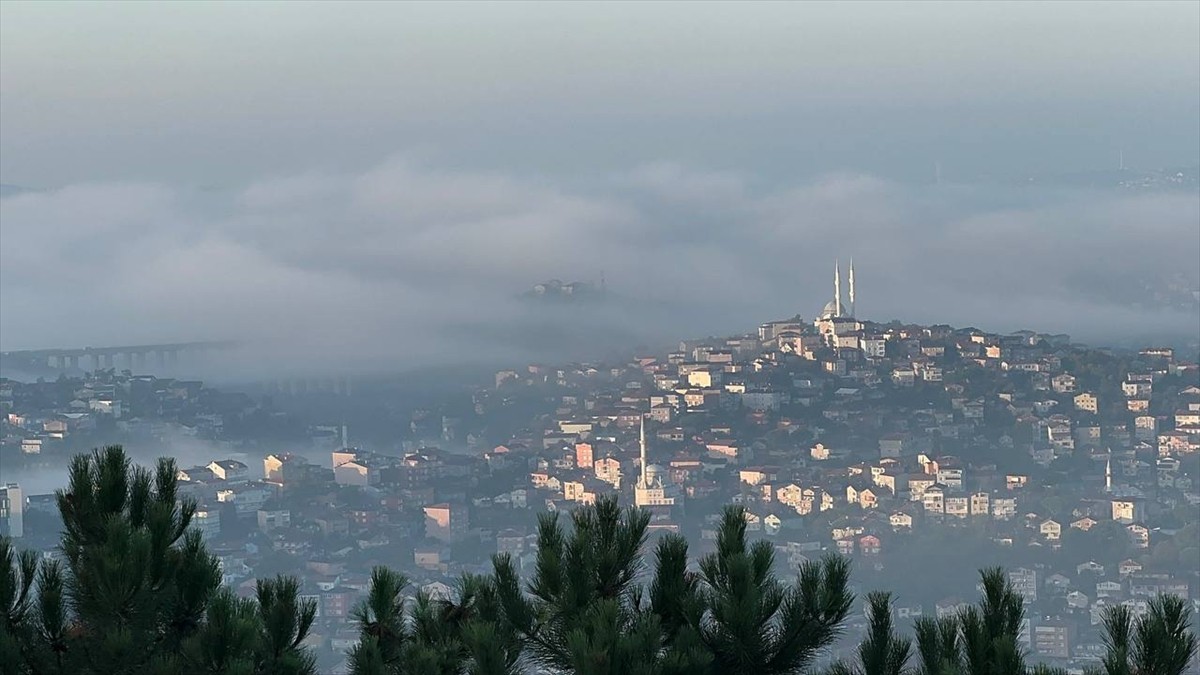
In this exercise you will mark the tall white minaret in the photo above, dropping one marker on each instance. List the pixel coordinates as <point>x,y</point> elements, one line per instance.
<point>852,287</point>
<point>837,289</point>
<point>1108,475</point>
<point>642,446</point>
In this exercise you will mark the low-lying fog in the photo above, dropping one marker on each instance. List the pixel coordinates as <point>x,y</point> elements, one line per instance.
<point>408,264</point>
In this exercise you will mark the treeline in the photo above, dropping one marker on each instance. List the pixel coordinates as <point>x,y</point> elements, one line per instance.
<point>138,592</point>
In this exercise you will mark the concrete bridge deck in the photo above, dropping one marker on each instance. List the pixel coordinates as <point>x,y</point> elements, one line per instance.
<point>108,357</point>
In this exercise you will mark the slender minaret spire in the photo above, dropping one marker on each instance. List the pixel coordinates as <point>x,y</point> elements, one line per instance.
<point>642,446</point>
<point>1108,475</point>
<point>837,289</point>
<point>852,287</point>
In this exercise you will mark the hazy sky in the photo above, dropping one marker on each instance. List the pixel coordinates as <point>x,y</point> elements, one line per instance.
<point>382,178</point>
<point>216,93</point>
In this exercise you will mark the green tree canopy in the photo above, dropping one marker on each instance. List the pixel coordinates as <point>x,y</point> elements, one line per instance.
<point>136,591</point>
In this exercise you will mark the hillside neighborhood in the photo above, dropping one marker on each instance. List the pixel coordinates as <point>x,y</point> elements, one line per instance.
<point>904,447</point>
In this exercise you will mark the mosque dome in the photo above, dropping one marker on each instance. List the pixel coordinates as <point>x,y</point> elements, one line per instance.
<point>830,311</point>
<point>653,474</point>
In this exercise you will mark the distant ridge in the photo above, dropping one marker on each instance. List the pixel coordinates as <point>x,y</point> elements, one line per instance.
<point>7,190</point>
<point>1170,178</point>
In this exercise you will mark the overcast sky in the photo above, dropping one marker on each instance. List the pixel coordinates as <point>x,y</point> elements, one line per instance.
<point>215,93</point>
<point>383,177</point>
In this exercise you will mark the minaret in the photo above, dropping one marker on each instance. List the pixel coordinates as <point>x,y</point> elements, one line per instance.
<point>837,289</point>
<point>642,445</point>
<point>1108,475</point>
<point>852,287</point>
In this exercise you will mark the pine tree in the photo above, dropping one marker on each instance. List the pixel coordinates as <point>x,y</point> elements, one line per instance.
<point>383,629</point>
<point>285,621</point>
<point>583,611</point>
<point>226,644</point>
<point>883,652</point>
<point>938,646</point>
<point>981,639</point>
<point>136,590</point>
<point>432,636</point>
<point>1159,643</point>
<point>989,629</point>
<point>17,598</point>
<point>676,600</point>
<point>753,623</point>
<point>138,581</point>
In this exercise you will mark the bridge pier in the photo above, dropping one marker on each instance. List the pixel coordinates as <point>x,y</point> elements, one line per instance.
<point>116,357</point>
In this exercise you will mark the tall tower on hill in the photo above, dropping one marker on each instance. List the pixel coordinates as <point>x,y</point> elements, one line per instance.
<point>650,490</point>
<point>834,309</point>
<point>837,289</point>
<point>642,452</point>
<point>852,287</point>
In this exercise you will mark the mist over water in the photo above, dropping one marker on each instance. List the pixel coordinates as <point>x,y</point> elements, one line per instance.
<point>187,452</point>
<point>408,264</point>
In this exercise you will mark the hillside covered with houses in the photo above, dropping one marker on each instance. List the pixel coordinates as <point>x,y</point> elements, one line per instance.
<point>922,452</point>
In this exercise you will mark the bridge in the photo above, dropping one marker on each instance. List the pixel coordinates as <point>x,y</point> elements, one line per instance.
<point>97,358</point>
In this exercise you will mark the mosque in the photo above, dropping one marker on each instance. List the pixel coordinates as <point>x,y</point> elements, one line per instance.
<point>650,490</point>
<point>837,318</point>
<point>834,309</point>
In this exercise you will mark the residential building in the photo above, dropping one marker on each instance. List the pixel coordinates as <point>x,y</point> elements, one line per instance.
<point>12,511</point>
